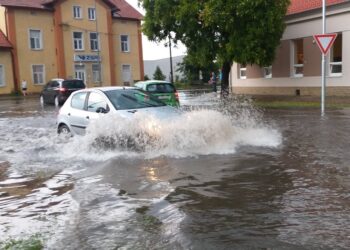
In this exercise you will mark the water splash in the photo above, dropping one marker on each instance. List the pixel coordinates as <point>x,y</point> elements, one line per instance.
<point>219,128</point>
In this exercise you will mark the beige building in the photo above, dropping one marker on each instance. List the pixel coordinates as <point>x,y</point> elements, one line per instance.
<point>98,41</point>
<point>297,67</point>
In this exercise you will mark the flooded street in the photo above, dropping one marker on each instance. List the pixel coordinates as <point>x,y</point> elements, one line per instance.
<point>221,176</point>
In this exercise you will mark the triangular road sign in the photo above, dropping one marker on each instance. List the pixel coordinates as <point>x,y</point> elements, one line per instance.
<point>325,42</point>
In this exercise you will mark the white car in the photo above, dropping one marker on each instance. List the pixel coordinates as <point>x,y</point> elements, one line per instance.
<point>86,105</point>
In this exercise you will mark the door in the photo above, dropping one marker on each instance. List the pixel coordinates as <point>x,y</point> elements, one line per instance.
<point>126,74</point>
<point>80,72</point>
<point>78,117</point>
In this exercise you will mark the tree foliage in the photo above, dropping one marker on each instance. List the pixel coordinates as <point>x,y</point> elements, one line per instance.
<point>245,31</point>
<point>158,74</point>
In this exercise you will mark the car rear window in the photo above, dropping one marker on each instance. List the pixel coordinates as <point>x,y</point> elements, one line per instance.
<point>132,99</point>
<point>74,84</point>
<point>161,88</point>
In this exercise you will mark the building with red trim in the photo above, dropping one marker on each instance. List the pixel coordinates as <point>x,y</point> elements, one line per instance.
<point>98,41</point>
<point>297,66</point>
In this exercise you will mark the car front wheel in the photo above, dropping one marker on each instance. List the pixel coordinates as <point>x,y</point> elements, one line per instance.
<point>63,129</point>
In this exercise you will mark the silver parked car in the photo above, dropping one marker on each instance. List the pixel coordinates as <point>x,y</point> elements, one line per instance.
<point>88,104</point>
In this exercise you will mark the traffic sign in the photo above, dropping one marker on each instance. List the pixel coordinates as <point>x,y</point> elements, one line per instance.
<point>325,42</point>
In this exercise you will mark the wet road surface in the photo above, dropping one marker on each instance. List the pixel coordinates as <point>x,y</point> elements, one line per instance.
<point>225,176</point>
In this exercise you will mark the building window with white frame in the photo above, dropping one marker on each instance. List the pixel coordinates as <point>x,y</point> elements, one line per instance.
<point>94,44</point>
<point>267,72</point>
<point>336,57</point>
<point>2,76</point>
<point>35,39</point>
<point>79,72</point>
<point>77,13</point>
<point>78,40</point>
<point>126,74</point>
<point>92,14</point>
<point>124,43</point>
<point>96,72</point>
<point>38,73</point>
<point>242,71</point>
<point>298,58</point>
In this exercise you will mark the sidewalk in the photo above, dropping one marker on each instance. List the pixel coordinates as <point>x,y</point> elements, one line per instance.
<point>18,97</point>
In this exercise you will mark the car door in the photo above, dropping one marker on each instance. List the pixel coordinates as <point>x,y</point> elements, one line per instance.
<point>53,91</point>
<point>45,92</point>
<point>78,117</point>
<point>96,105</point>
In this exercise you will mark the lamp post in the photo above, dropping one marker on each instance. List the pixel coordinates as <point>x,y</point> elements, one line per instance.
<point>171,62</point>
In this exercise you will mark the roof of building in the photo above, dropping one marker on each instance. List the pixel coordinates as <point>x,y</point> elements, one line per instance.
<point>299,6</point>
<point>4,42</point>
<point>126,10</point>
<point>123,9</point>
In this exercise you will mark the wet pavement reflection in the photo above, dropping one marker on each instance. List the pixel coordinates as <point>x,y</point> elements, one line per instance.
<point>281,181</point>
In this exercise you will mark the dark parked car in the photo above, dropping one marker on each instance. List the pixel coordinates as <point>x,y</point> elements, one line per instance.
<point>57,91</point>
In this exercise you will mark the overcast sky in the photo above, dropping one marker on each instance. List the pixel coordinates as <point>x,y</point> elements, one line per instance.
<point>153,51</point>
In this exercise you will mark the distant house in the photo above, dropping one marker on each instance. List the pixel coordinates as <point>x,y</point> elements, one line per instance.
<point>98,42</point>
<point>297,66</point>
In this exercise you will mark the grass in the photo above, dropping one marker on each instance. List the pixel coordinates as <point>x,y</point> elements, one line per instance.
<point>31,243</point>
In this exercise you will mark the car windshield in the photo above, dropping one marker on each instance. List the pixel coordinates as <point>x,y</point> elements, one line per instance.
<point>123,99</point>
<point>73,84</point>
<point>161,88</point>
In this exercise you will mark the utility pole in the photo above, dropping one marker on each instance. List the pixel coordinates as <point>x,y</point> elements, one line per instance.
<point>171,62</point>
<point>323,91</point>
<point>98,48</point>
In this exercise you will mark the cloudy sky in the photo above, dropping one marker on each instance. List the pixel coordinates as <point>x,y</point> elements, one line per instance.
<point>153,51</point>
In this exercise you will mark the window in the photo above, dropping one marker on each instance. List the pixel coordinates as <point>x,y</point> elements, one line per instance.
<point>77,13</point>
<point>35,39</point>
<point>336,57</point>
<point>126,74</point>
<point>92,13</point>
<point>38,72</point>
<point>78,100</point>
<point>78,40</point>
<point>298,58</point>
<point>124,42</point>
<point>2,76</point>
<point>94,41</point>
<point>95,102</point>
<point>267,72</point>
<point>242,72</point>
<point>80,72</point>
<point>96,72</point>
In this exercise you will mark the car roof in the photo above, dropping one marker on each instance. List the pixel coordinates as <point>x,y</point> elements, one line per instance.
<point>153,81</point>
<point>103,89</point>
<point>61,79</point>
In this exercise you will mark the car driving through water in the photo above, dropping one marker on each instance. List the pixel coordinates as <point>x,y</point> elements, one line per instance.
<point>57,91</point>
<point>163,90</point>
<point>86,105</point>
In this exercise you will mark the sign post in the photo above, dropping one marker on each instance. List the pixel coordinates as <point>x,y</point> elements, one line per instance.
<point>325,42</point>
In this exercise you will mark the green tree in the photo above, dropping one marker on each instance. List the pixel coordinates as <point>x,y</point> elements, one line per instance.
<point>245,31</point>
<point>146,77</point>
<point>158,74</point>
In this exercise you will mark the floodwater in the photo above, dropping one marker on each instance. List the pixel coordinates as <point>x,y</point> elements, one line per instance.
<point>220,176</point>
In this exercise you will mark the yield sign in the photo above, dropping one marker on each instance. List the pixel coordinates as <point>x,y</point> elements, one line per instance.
<point>325,42</point>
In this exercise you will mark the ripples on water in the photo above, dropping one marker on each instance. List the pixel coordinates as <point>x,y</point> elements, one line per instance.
<point>220,175</point>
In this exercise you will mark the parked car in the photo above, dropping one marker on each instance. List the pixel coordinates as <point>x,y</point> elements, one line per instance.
<point>165,91</point>
<point>90,104</point>
<point>57,91</point>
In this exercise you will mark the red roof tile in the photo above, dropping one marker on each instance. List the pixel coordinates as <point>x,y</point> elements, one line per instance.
<point>124,10</point>
<point>4,43</point>
<point>298,6</point>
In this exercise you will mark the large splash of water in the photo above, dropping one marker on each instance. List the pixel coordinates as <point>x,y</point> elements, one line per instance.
<point>215,129</point>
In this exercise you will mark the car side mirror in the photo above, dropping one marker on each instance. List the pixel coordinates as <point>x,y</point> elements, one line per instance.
<point>101,110</point>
